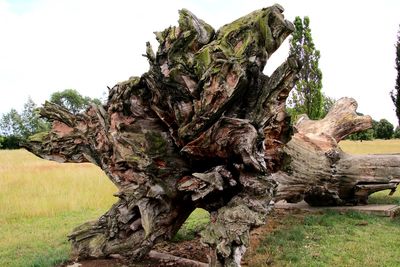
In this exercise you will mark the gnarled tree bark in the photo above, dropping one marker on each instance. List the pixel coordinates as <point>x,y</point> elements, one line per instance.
<point>204,127</point>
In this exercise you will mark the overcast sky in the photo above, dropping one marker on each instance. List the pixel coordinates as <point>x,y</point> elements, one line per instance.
<point>51,45</point>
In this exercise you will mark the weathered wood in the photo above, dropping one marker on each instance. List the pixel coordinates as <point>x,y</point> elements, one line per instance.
<point>204,127</point>
<point>319,172</point>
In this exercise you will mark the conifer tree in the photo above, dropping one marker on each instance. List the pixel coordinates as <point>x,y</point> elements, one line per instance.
<point>306,96</point>
<point>395,94</point>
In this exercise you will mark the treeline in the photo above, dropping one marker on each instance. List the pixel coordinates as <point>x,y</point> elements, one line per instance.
<point>16,127</point>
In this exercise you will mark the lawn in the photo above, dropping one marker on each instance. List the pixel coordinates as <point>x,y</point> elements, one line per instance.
<point>41,201</point>
<point>329,239</point>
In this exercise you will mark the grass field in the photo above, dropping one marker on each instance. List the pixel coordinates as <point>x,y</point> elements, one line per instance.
<point>371,147</point>
<point>41,201</point>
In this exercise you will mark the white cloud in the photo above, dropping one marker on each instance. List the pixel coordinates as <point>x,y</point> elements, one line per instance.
<point>88,45</point>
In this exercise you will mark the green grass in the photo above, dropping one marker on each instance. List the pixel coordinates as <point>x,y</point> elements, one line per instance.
<point>39,241</point>
<point>383,197</point>
<point>196,222</point>
<point>331,239</point>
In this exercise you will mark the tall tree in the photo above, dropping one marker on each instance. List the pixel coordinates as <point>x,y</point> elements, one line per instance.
<point>11,124</point>
<point>32,123</point>
<point>306,97</point>
<point>72,100</point>
<point>395,94</point>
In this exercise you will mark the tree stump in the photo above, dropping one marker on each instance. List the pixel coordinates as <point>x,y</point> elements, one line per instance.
<point>204,127</point>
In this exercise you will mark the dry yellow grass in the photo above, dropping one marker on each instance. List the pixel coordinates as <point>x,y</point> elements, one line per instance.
<point>30,186</point>
<point>371,147</point>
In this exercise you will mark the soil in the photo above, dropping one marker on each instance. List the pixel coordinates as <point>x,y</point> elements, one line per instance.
<point>192,249</point>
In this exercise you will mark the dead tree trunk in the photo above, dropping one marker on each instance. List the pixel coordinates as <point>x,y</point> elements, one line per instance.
<point>204,127</point>
<point>319,172</point>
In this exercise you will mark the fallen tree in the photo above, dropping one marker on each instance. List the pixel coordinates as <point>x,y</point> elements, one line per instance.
<point>204,127</point>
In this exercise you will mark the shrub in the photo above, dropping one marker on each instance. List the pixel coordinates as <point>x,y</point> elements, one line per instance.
<point>10,142</point>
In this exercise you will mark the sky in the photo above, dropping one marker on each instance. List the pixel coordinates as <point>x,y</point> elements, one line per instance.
<point>89,45</point>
